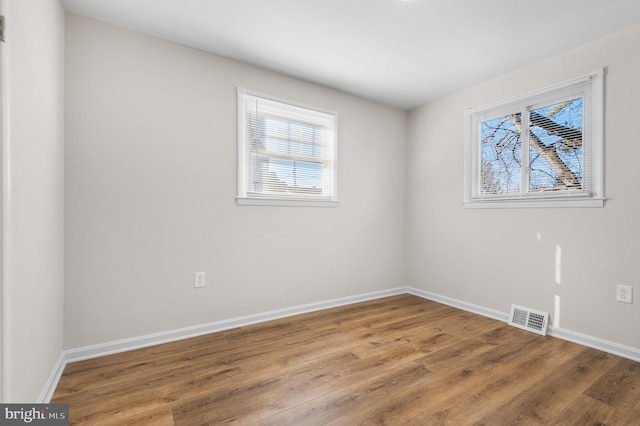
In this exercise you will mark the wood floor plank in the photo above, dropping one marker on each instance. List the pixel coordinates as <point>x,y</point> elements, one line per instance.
<point>400,360</point>
<point>617,387</point>
<point>347,402</point>
<point>493,386</point>
<point>467,375</point>
<point>545,400</point>
<point>588,411</point>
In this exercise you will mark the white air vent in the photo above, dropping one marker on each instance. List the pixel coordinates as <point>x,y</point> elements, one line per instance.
<point>529,319</point>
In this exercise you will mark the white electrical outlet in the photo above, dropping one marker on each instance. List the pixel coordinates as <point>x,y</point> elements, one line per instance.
<point>198,279</point>
<point>624,293</point>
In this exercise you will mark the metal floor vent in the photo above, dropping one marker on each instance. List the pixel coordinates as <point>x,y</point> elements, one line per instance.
<point>529,319</point>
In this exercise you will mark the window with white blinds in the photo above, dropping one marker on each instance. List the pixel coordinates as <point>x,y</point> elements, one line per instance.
<point>541,149</point>
<point>286,152</point>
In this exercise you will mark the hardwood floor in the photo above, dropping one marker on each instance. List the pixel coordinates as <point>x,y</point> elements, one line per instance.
<point>401,360</point>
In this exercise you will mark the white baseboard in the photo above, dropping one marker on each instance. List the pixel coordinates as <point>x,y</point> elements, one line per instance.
<point>52,382</point>
<point>476,309</point>
<point>123,345</point>
<point>595,343</point>
<point>108,348</point>
<point>560,333</point>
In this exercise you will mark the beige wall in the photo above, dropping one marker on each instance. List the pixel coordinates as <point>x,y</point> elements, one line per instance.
<point>150,185</point>
<point>150,193</point>
<point>33,196</point>
<point>493,258</point>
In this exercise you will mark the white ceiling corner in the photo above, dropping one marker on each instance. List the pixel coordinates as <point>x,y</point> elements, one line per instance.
<point>402,53</point>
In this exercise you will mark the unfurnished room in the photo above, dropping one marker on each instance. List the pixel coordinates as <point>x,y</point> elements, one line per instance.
<point>320,212</point>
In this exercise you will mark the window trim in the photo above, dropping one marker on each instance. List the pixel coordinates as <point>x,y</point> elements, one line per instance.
<point>591,87</point>
<point>243,197</point>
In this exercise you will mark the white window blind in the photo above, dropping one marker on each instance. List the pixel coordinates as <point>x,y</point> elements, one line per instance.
<point>540,149</point>
<point>286,152</point>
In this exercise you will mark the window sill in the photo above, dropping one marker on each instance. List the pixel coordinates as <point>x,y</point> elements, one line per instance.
<point>293,202</point>
<point>532,203</point>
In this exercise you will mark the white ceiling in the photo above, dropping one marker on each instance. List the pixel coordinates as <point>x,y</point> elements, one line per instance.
<point>402,53</point>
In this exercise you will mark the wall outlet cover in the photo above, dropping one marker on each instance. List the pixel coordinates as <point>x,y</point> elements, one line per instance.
<point>624,293</point>
<point>199,279</point>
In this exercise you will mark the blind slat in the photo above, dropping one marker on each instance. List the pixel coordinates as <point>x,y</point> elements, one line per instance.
<point>288,150</point>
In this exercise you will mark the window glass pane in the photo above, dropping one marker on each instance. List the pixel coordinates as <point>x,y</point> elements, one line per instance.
<point>292,138</point>
<point>561,164</point>
<point>555,147</point>
<point>286,153</point>
<point>278,156</point>
<point>500,155</point>
<point>290,176</point>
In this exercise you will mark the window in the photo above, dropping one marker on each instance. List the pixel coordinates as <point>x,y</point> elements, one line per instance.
<point>541,149</point>
<point>286,152</point>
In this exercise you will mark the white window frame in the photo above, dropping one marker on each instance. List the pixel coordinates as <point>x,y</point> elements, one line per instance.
<point>590,88</point>
<point>297,111</point>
